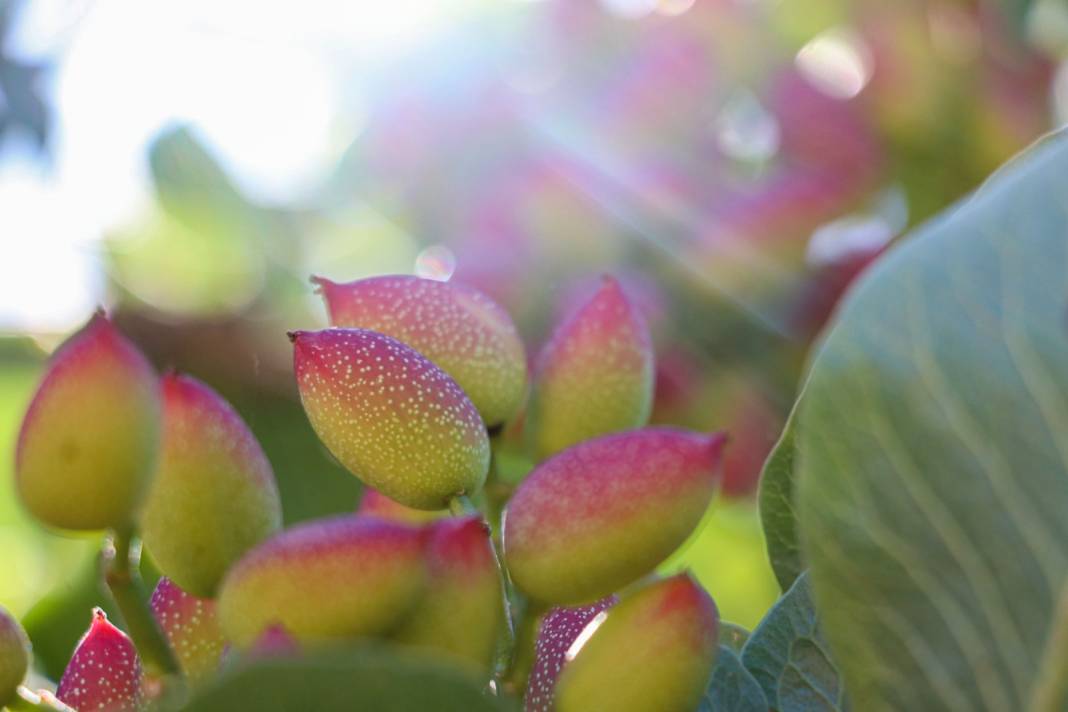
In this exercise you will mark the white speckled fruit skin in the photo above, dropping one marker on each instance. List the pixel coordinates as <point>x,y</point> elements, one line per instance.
<point>393,418</point>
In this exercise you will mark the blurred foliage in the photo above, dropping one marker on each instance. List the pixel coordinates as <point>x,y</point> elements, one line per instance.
<point>23,107</point>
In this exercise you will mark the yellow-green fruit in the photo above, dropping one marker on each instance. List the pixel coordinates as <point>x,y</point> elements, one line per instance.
<point>14,656</point>
<point>88,444</point>
<point>327,580</point>
<point>375,504</point>
<point>459,328</point>
<point>602,514</point>
<point>651,652</point>
<point>191,627</point>
<point>393,418</point>
<point>594,375</point>
<point>461,613</point>
<point>213,496</point>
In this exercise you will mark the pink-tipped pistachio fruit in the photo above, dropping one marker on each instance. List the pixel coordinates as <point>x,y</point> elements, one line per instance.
<point>556,635</point>
<point>14,656</point>
<point>653,650</point>
<point>462,610</point>
<point>375,504</point>
<point>191,627</point>
<point>606,512</point>
<point>213,496</point>
<point>274,642</point>
<point>393,418</point>
<point>459,328</point>
<point>104,673</point>
<point>594,375</point>
<point>327,580</point>
<point>89,440</point>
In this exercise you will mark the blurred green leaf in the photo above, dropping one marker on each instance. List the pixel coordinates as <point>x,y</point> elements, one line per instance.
<point>59,620</point>
<point>777,514</point>
<point>187,177</point>
<point>788,656</point>
<point>203,269</point>
<point>311,483</point>
<point>933,456</point>
<point>732,687</point>
<point>374,678</point>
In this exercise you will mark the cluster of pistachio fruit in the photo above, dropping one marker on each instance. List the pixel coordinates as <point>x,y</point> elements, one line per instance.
<point>546,591</point>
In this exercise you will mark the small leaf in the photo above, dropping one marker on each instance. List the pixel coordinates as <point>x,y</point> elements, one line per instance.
<point>732,687</point>
<point>810,680</point>
<point>777,513</point>
<point>787,656</point>
<point>376,678</point>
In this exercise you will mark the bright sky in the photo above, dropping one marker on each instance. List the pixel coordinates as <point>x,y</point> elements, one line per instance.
<point>258,80</point>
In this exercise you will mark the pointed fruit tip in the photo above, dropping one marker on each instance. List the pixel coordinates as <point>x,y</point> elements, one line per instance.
<point>321,284</point>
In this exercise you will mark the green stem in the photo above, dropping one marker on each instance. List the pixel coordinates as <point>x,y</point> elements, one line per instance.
<point>27,700</point>
<point>526,636</point>
<point>121,560</point>
<point>461,505</point>
<point>506,644</point>
<point>496,491</point>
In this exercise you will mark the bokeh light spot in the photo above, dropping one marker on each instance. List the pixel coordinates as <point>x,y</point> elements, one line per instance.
<point>837,61</point>
<point>435,262</point>
<point>745,130</point>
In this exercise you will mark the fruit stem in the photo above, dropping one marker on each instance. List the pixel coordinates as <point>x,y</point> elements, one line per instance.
<point>28,700</point>
<point>121,559</point>
<point>461,505</point>
<point>526,636</point>
<point>506,644</point>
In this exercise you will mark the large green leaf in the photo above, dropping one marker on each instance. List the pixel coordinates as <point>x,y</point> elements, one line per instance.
<point>932,446</point>
<point>788,657</point>
<point>375,679</point>
<point>777,513</point>
<point>733,636</point>
<point>732,687</point>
